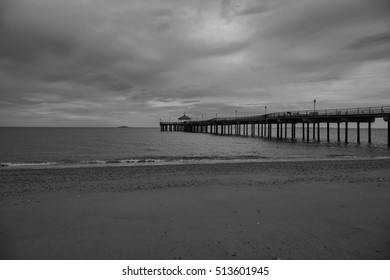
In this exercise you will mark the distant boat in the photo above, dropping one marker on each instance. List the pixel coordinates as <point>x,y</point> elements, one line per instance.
<point>123,126</point>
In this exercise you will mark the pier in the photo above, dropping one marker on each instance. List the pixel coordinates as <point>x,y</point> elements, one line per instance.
<point>310,122</point>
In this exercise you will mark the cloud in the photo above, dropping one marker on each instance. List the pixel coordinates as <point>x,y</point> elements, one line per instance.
<point>230,8</point>
<point>371,41</point>
<point>108,61</point>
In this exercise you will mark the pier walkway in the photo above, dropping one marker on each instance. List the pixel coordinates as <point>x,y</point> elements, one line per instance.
<point>310,122</point>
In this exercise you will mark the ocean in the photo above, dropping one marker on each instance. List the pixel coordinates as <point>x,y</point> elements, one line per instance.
<point>20,147</point>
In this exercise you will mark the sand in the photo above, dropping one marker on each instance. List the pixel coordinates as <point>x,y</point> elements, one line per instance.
<point>287,210</point>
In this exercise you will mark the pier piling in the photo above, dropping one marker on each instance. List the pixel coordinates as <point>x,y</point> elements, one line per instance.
<point>264,123</point>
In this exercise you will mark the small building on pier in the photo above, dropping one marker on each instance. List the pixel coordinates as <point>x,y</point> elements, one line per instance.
<point>181,122</point>
<point>184,118</point>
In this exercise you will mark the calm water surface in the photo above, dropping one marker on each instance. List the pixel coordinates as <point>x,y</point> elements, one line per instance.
<point>86,146</point>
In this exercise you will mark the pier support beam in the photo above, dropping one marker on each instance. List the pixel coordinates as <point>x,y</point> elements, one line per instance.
<point>327,132</point>
<point>346,132</point>
<point>281,130</point>
<point>369,133</point>
<point>292,131</point>
<point>358,132</point>
<point>269,130</point>
<point>318,132</point>
<point>285,130</point>
<point>387,119</point>
<point>308,132</point>
<point>338,132</point>
<point>388,132</point>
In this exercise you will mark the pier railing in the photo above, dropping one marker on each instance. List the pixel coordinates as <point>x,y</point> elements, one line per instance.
<point>365,111</point>
<point>226,125</point>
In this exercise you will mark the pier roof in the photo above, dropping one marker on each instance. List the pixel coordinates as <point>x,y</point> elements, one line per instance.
<point>184,118</point>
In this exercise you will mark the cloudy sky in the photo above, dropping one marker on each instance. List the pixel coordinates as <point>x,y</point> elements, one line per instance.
<point>132,62</point>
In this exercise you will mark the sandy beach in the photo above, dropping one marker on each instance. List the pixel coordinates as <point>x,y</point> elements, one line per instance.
<point>278,210</point>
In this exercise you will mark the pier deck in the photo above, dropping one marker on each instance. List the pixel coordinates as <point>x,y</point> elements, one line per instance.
<point>309,120</point>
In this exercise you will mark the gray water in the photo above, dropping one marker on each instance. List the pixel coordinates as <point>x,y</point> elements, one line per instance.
<point>145,146</point>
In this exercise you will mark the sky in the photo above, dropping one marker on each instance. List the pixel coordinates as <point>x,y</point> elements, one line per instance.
<point>134,62</point>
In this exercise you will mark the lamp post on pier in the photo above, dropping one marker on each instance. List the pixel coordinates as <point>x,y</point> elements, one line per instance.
<point>314,106</point>
<point>265,109</point>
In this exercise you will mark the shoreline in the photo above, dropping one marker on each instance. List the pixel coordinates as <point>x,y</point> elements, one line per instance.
<point>335,209</point>
<point>154,162</point>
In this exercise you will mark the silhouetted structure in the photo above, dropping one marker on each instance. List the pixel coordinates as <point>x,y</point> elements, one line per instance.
<point>247,125</point>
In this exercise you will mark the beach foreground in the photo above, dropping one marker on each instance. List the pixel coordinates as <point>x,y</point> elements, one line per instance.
<point>279,210</point>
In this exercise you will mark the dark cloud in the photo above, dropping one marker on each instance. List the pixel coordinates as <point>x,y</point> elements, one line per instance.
<point>103,81</point>
<point>381,39</point>
<point>97,62</point>
<point>238,8</point>
<point>163,13</point>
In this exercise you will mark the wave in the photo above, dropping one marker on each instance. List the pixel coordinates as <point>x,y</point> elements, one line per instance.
<point>178,160</point>
<point>137,161</point>
<point>83,162</point>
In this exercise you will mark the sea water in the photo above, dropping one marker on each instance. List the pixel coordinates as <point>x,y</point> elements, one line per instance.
<point>148,146</point>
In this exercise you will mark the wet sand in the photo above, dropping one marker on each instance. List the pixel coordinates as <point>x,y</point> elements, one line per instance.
<point>289,210</point>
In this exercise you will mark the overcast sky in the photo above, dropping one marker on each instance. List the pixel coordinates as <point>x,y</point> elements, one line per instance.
<point>132,62</point>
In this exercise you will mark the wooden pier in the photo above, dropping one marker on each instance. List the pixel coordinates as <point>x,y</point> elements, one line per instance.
<point>310,122</point>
